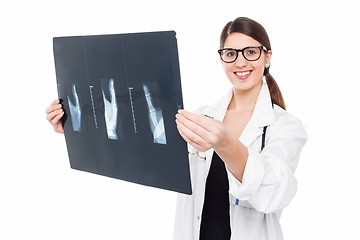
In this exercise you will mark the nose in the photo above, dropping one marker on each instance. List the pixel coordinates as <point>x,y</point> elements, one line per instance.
<point>240,61</point>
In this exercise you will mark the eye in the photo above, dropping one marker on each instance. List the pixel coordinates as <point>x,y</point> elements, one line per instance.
<point>229,53</point>
<point>251,51</point>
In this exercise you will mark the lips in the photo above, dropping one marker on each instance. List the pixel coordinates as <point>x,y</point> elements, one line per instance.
<point>243,74</point>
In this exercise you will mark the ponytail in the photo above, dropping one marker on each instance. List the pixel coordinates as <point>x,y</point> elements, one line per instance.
<point>275,93</point>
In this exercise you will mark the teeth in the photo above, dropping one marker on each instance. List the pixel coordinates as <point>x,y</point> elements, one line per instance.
<point>242,73</point>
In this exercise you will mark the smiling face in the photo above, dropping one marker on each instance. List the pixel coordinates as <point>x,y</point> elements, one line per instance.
<point>245,75</point>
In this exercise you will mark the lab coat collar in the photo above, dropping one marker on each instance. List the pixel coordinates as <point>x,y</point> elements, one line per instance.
<point>262,115</point>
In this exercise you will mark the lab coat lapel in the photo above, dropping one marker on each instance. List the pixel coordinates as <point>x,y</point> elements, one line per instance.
<point>262,115</point>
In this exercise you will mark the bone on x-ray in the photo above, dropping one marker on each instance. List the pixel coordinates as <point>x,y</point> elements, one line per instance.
<point>111,110</point>
<point>155,118</point>
<point>75,110</point>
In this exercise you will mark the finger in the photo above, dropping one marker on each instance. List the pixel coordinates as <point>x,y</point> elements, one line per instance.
<point>193,126</point>
<point>58,127</point>
<point>195,145</point>
<point>76,96</point>
<point>191,136</point>
<point>57,119</point>
<point>55,105</point>
<point>53,108</point>
<point>202,121</point>
<point>54,114</point>
<point>112,91</point>
<point>56,101</point>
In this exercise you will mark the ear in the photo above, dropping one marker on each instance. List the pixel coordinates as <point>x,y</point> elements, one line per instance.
<point>268,56</point>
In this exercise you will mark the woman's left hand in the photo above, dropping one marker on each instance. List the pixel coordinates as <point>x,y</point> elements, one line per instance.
<point>201,132</point>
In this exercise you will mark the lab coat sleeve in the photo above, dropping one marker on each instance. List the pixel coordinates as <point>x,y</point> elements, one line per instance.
<point>268,183</point>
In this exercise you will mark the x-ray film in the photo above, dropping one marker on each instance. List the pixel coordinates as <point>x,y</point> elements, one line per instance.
<point>120,94</point>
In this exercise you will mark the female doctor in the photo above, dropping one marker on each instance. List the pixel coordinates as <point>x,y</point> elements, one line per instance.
<point>243,149</point>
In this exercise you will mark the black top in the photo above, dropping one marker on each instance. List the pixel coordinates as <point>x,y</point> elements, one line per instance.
<point>215,223</point>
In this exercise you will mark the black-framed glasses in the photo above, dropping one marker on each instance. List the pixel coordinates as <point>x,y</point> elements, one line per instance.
<point>252,53</point>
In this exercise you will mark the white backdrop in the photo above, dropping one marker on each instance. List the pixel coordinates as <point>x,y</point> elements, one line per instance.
<point>315,62</point>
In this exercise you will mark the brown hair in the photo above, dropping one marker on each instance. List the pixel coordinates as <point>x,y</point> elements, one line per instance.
<point>254,30</point>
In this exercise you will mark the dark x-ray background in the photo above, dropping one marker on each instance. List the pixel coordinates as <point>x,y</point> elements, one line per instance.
<point>130,61</point>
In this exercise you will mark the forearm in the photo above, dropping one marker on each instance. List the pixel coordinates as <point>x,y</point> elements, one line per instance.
<point>234,154</point>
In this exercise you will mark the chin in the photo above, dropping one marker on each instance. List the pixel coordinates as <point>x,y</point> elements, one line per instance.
<point>246,86</point>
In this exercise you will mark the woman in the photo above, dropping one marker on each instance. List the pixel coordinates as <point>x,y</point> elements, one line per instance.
<point>242,179</point>
<point>243,149</point>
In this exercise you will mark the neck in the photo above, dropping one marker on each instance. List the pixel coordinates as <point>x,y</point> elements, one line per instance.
<point>245,100</point>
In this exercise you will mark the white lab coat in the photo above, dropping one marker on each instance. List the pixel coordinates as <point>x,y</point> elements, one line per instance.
<point>268,182</point>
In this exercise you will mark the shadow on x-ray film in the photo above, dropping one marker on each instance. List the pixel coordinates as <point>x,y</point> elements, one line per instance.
<point>112,123</point>
<point>110,108</point>
<point>75,110</point>
<point>156,119</point>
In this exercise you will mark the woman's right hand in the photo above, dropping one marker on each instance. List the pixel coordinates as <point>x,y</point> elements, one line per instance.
<point>54,114</point>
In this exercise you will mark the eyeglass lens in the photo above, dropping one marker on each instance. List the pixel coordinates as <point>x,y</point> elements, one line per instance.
<point>250,54</point>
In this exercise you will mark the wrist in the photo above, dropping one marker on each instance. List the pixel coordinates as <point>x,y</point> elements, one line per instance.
<point>226,141</point>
